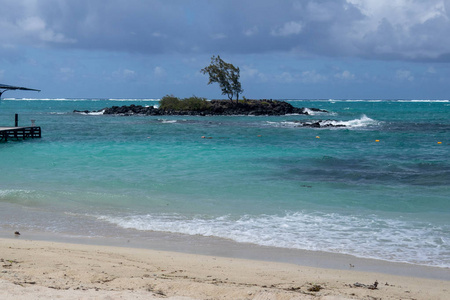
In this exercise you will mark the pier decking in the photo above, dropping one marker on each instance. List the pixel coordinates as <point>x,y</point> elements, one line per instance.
<point>17,133</point>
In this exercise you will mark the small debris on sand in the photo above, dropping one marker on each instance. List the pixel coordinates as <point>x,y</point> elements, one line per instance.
<point>315,288</point>
<point>373,286</point>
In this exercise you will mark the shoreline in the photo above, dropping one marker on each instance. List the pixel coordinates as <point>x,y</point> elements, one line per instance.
<point>214,246</point>
<point>32,268</point>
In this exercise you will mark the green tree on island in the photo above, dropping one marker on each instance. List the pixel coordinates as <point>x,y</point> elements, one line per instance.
<point>226,75</point>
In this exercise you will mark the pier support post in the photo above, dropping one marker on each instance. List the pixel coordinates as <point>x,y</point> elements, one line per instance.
<point>16,123</point>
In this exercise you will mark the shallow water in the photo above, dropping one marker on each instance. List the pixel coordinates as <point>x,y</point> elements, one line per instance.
<point>261,180</point>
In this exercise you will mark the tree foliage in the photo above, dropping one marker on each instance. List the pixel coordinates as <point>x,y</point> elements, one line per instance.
<point>226,75</point>
<point>194,103</point>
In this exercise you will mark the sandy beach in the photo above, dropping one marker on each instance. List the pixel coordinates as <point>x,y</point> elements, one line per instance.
<point>50,270</point>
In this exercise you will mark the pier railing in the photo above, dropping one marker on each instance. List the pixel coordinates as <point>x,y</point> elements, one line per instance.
<point>19,133</point>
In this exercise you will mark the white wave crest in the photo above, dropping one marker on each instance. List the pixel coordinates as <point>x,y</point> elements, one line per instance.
<point>96,113</point>
<point>425,100</point>
<point>6,193</point>
<point>311,112</point>
<point>399,240</point>
<point>92,113</point>
<point>363,122</point>
<point>164,121</point>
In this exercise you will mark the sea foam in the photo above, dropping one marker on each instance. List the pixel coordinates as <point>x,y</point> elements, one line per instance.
<point>365,236</point>
<point>362,122</point>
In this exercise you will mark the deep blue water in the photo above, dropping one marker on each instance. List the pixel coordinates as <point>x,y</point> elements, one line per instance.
<point>379,187</point>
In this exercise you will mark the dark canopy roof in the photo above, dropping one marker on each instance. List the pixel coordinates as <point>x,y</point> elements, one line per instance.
<point>5,87</point>
<point>11,87</point>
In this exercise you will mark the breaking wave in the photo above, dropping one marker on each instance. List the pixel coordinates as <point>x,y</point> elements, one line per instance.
<point>362,122</point>
<point>330,232</point>
<point>91,113</point>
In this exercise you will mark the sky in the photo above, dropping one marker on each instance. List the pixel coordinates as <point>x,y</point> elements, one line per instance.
<point>285,49</point>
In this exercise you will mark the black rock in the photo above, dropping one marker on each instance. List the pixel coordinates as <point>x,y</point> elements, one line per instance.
<point>215,108</point>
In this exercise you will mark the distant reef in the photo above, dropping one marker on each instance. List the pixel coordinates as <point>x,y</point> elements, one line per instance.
<point>214,108</point>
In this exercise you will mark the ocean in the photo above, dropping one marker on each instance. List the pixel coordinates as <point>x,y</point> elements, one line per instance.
<point>377,188</point>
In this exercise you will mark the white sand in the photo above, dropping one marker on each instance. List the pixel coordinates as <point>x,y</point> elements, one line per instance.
<point>47,270</point>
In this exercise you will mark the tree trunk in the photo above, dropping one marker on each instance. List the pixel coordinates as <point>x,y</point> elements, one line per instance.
<point>230,97</point>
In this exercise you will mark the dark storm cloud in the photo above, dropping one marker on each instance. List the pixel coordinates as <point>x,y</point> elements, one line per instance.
<point>374,29</point>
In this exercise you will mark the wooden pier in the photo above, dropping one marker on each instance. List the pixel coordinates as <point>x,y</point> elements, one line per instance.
<point>19,133</point>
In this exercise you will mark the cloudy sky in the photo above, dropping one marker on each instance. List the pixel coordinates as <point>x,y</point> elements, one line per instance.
<point>286,49</point>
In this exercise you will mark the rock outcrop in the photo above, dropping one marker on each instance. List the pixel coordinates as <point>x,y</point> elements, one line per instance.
<point>216,108</point>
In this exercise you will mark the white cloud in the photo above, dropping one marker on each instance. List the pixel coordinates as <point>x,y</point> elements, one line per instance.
<point>304,77</point>
<point>312,77</point>
<point>251,31</point>
<point>404,75</point>
<point>124,74</point>
<point>345,75</point>
<point>159,72</point>
<point>129,73</point>
<point>66,73</point>
<point>380,29</point>
<point>158,34</point>
<point>218,36</point>
<point>35,26</point>
<point>320,12</point>
<point>406,28</point>
<point>289,28</point>
<point>32,24</point>
<point>65,70</point>
<point>431,70</point>
<point>405,13</point>
<point>248,72</point>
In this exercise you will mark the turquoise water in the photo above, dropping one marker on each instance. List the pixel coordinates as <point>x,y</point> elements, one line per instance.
<point>261,180</point>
